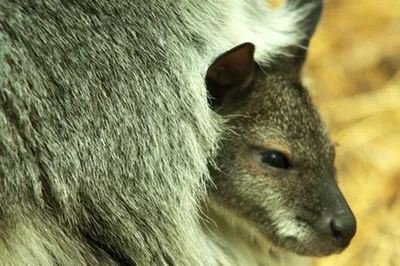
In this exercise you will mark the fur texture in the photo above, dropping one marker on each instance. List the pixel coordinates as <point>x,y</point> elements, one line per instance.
<point>105,129</point>
<point>275,192</point>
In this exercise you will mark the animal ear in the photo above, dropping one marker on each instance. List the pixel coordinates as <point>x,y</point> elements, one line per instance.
<point>231,74</point>
<point>308,14</point>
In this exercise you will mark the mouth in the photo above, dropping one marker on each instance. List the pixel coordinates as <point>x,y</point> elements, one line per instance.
<point>310,249</point>
<point>294,244</point>
<point>311,240</point>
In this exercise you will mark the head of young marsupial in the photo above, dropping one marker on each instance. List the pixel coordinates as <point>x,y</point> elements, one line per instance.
<point>275,174</point>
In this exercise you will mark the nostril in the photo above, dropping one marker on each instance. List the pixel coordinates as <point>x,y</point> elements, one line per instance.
<point>343,229</point>
<point>336,230</point>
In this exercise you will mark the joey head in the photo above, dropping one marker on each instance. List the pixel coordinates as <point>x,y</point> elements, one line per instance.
<point>275,175</point>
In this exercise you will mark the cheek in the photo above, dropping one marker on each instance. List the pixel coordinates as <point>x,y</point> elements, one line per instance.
<point>251,187</point>
<point>255,197</point>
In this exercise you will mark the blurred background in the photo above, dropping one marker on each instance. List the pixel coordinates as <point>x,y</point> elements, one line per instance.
<point>353,71</point>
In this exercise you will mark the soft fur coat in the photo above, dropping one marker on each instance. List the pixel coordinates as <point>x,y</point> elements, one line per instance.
<point>105,130</point>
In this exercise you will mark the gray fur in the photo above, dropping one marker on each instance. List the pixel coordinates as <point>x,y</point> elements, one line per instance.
<point>105,130</point>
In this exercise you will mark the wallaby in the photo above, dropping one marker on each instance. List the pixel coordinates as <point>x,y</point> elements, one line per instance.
<point>275,193</point>
<point>105,129</point>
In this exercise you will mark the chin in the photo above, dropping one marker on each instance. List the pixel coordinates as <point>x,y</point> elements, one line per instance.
<point>310,245</point>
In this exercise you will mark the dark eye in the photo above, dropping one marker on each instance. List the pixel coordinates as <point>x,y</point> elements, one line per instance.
<point>275,159</point>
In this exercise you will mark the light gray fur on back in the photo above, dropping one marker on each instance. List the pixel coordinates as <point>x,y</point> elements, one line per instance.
<point>105,130</point>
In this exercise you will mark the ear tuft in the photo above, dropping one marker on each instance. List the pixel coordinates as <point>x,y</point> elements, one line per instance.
<point>307,14</point>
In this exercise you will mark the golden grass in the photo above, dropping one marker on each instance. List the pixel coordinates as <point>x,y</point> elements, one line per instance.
<point>354,65</point>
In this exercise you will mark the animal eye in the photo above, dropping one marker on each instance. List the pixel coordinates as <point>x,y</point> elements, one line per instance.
<point>275,159</point>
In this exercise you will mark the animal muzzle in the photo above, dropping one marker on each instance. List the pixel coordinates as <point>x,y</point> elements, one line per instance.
<point>337,220</point>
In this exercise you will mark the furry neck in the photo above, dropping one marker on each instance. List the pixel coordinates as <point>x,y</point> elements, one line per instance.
<point>236,243</point>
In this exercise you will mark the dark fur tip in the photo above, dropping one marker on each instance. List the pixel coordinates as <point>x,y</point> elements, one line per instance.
<point>313,7</point>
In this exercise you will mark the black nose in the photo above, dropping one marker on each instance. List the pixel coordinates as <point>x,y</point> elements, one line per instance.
<point>344,228</point>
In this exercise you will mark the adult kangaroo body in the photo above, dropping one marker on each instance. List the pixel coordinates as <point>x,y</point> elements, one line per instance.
<point>105,129</point>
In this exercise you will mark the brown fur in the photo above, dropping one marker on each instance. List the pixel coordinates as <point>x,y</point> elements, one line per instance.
<point>288,208</point>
